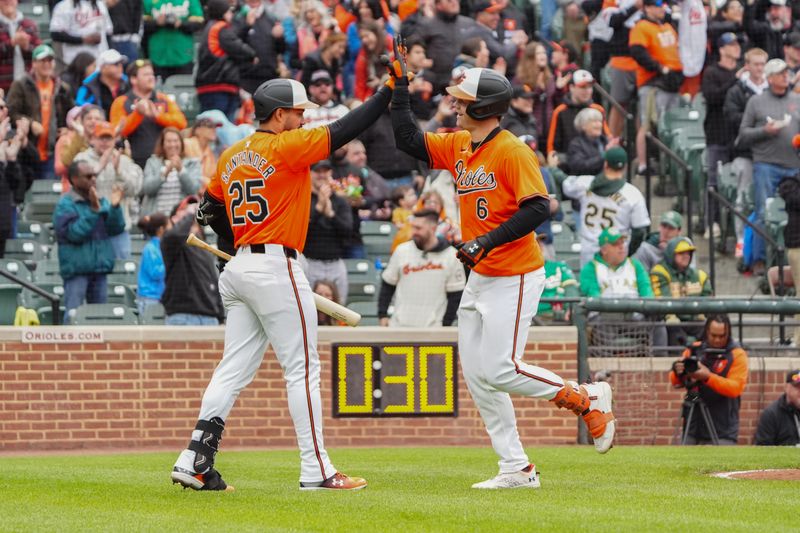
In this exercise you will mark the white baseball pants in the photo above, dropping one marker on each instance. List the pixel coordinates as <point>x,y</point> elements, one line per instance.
<point>269,301</point>
<point>493,321</point>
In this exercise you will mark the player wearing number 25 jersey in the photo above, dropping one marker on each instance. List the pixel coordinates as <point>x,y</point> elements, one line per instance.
<point>502,198</point>
<point>260,199</point>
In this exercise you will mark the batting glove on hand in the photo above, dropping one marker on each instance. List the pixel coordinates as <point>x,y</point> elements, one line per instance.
<point>398,69</point>
<point>471,252</point>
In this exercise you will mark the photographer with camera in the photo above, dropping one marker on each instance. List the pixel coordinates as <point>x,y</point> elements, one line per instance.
<point>714,372</point>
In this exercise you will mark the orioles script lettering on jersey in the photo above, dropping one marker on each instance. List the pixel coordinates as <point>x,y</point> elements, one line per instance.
<point>430,265</point>
<point>250,159</point>
<point>473,180</point>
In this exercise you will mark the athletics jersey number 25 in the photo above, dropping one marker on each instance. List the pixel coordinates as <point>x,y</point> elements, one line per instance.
<point>606,218</point>
<point>247,204</point>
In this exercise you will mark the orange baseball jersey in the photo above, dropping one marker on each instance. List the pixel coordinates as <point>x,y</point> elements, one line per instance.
<point>265,182</point>
<point>661,42</point>
<point>491,183</point>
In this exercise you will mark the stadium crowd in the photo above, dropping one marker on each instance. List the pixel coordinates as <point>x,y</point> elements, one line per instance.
<point>90,108</point>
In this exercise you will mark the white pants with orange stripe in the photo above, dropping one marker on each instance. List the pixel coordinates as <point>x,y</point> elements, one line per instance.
<point>493,321</point>
<point>269,301</point>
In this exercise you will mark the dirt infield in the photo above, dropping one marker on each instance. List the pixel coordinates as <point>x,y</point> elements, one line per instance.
<point>785,474</point>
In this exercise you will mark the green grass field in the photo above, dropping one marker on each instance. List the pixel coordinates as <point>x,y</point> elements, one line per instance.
<point>410,490</point>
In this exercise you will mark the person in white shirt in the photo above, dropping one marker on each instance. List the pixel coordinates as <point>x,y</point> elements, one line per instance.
<point>320,91</point>
<point>82,26</point>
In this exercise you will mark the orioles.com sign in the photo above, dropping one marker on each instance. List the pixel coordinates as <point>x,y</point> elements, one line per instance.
<point>60,335</point>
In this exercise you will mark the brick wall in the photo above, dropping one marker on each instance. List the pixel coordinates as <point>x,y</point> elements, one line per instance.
<point>143,385</point>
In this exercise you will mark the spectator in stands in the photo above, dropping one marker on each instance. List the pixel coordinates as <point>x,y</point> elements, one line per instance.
<point>651,251</point>
<point>83,223</point>
<point>329,227</point>
<point>107,83</point>
<point>201,145</point>
<point>611,273</point>
<point>80,123</point>
<point>18,37</point>
<point>654,45</point>
<point>534,72</point>
<point>81,68</point>
<point>564,58</point>
<point>329,57</point>
<point>327,289</point>
<point>720,380</point>
<point>487,18</point>
<point>376,191</point>
<point>474,53</point>
<point>779,423</point>
<point>126,17</point>
<point>608,201</point>
<point>150,279</point>
<point>219,57</point>
<point>423,103</point>
<point>585,151</point>
<point>10,175</point>
<point>44,99</point>
<point>789,190</point>
<point>305,32</point>
<point>424,277</point>
<point>751,82</point>
<point>562,124</point>
<point>169,175</point>
<point>519,119</point>
<point>368,67</point>
<point>717,80</point>
<point>146,112</point>
<point>396,166</point>
<point>674,277</point>
<point>621,66</point>
<point>404,198</point>
<point>191,295</point>
<point>768,126</point>
<point>791,53</point>
<point>443,37</point>
<point>264,34</point>
<point>729,18</point>
<point>320,91</point>
<point>114,169</point>
<point>80,26</point>
<point>559,282</point>
<point>768,32</point>
<point>169,28</point>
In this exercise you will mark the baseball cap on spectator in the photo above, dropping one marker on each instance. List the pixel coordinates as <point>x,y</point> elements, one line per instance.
<point>684,245</point>
<point>582,78</point>
<point>110,57</point>
<point>793,377</point>
<point>793,39</point>
<point>134,66</point>
<point>325,164</point>
<point>616,158</point>
<point>207,122</point>
<point>775,66</point>
<point>321,76</point>
<point>104,129</point>
<point>778,2</point>
<point>672,219</point>
<point>488,6</point>
<point>43,51</point>
<point>727,38</point>
<point>522,91</point>
<point>657,3</point>
<point>609,236</point>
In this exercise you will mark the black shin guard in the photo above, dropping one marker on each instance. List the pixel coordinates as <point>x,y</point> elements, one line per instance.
<point>206,448</point>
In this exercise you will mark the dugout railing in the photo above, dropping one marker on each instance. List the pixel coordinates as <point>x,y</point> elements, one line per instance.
<point>630,126</point>
<point>686,174</point>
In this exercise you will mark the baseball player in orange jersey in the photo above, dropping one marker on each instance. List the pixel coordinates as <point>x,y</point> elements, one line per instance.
<point>502,199</point>
<point>260,198</point>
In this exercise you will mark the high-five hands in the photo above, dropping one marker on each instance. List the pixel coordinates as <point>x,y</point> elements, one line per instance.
<point>398,68</point>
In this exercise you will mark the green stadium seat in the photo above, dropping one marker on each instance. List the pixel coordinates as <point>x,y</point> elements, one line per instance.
<point>125,272</point>
<point>362,291</point>
<point>41,232</point>
<point>47,270</point>
<point>365,309</point>
<point>358,266</point>
<point>137,245</point>
<point>378,245</point>
<point>32,300</point>
<point>154,315</point>
<point>15,267</point>
<point>369,321</point>
<point>107,314</point>
<point>24,250</point>
<point>9,301</point>
<point>181,89</point>
<point>378,227</point>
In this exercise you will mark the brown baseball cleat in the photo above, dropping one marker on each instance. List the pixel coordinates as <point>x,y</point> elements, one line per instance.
<point>338,481</point>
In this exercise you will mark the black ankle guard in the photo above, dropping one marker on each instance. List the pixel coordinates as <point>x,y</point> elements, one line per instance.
<point>206,448</point>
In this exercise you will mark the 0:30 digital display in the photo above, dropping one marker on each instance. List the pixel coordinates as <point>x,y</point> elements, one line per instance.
<point>394,380</point>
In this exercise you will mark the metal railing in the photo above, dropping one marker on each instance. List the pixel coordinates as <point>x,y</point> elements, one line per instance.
<point>687,177</point>
<point>630,127</point>
<point>55,301</point>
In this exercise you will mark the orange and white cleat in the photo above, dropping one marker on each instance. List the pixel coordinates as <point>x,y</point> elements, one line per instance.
<point>338,481</point>
<point>600,420</point>
<point>210,480</point>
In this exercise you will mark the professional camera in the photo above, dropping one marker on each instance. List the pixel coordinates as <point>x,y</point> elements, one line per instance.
<point>697,355</point>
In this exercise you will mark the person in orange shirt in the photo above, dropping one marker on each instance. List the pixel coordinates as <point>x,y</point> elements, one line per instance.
<point>503,199</point>
<point>717,375</point>
<point>621,16</point>
<point>659,73</point>
<point>45,100</point>
<point>260,200</point>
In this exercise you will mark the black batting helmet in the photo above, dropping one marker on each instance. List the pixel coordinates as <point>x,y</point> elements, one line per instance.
<point>280,94</point>
<point>488,92</point>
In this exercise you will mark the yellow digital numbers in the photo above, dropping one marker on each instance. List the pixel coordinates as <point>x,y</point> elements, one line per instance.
<point>398,380</point>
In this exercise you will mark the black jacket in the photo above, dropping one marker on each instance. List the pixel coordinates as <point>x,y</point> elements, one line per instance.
<point>716,82</point>
<point>585,156</point>
<point>126,16</point>
<point>733,110</point>
<point>382,154</point>
<point>789,189</point>
<point>218,60</point>
<point>328,237</point>
<point>779,425</point>
<point>519,123</point>
<point>267,49</point>
<point>191,275</point>
<point>313,62</point>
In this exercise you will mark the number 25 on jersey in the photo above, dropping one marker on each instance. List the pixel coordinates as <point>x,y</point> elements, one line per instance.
<point>247,202</point>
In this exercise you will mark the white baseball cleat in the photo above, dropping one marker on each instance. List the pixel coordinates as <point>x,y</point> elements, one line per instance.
<point>524,479</point>
<point>600,418</point>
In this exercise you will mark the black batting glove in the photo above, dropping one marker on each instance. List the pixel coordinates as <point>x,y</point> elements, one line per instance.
<point>397,67</point>
<point>471,252</point>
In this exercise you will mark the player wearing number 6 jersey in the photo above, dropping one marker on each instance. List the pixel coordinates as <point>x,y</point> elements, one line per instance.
<point>260,198</point>
<point>502,199</point>
<point>608,201</point>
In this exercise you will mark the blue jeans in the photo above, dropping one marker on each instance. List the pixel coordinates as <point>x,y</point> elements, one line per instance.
<point>126,48</point>
<point>186,319</point>
<point>765,182</point>
<point>228,103</point>
<point>122,245</point>
<point>91,288</point>
<point>355,251</point>
<point>548,11</point>
<point>143,302</point>
<point>45,170</point>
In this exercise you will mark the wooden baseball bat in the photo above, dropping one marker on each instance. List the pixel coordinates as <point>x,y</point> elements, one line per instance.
<point>330,308</point>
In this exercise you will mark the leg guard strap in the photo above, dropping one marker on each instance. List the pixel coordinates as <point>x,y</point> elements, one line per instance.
<point>574,399</point>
